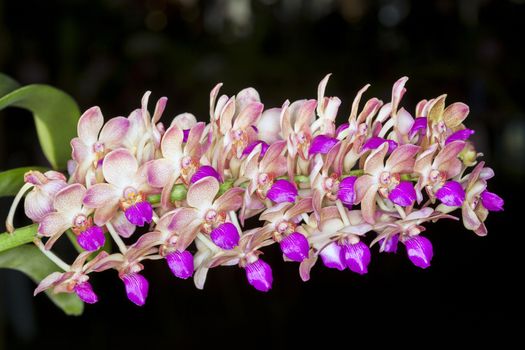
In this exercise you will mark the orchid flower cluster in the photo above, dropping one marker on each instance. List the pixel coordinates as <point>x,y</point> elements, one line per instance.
<point>319,190</point>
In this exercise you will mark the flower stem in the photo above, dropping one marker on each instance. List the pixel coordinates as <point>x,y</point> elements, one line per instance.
<point>120,244</point>
<point>59,262</point>
<point>9,221</point>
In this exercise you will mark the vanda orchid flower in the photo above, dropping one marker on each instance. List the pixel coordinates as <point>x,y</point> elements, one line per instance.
<point>320,190</point>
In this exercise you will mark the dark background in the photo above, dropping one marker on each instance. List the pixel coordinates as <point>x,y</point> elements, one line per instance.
<point>108,53</point>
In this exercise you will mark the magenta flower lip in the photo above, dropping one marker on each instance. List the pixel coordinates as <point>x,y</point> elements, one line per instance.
<point>85,293</point>
<point>137,287</point>
<point>419,250</point>
<point>419,126</point>
<point>251,146</point>
<point>282,191</point>
<point>375,142</point>
<point>321,144</point>
<point>295,247</point>
<point>225,236</point>
<point>356,257</point>
<point>205,171</point>
<point>404,194</point>
<point>139,213</point>
<point>491,201</point>
<point>332,257</point>
<point>91,239</point>
<point>346,191</point>
<point>451,194</point>
<point>461,135</point>
<point>181,264</point>
<point>259,275</point>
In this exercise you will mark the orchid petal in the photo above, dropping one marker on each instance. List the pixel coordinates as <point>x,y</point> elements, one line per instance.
<point>53,224</point>
<point>69,199</point>
<point>89,125</point>
<point>419,126</point>
<point>100,195</point>
<point>201,193</point>
<point>114,132</point>
<point>119,167</point>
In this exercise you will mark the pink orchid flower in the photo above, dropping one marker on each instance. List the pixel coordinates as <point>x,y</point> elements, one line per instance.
<point>381,178</point>
<point>435,171</point>
<point>261,173</point>
<point>126,188</point>
<point>94,141</point>
<point>179,159</point>
<point>145,132</point>
<point>75,280</point>
<point>39,201</point>
<point>71,214</point>
<point>211,214</point>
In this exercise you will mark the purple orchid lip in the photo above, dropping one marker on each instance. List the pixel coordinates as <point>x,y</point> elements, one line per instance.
<point>85,292</point>
<point>137,287</point>
<point>181,264</point>
<point>331,256</point>
<point>389,244</point>
<point>322,144</point>
<point>205,171</point>
<point>403,194</point>
<point>491,201</point>
<point>374,142</point>
<point>259,275</point>
<point>419,250</point>
<point>419,126</point>
<point>342,128</point>
<point>460,135</point>
<point>295,247</point>
<point>139,213</point>
<point>91,239</point>
<point>185,133</point>
<point>451,194</point>
<point>282,191</point>
<point>225,236</point>
<point>346,193</point>
<point>254,144</point>
<point>356,257</point>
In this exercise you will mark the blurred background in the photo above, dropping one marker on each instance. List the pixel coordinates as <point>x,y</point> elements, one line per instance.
<point>108,53</point>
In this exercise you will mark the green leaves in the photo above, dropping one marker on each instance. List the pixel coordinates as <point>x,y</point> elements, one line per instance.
<point>12,180</point>
<point>29,260</point>
<point>55,114</point>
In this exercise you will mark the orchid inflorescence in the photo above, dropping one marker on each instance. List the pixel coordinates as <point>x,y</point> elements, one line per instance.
<point>193,185</point>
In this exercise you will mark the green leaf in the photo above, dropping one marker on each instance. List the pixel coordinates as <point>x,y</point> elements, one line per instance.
<point>12,180</point>
<point>19,237</point>
<point>7,84</point>
<point>55,113</point>
<point>29,260</point>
